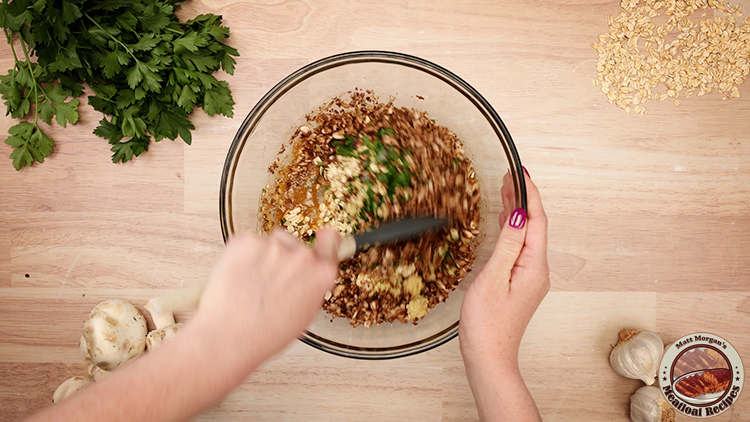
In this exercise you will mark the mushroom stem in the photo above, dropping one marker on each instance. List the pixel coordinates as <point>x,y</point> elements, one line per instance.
<point>162,308</point>
<point>158,337</point>
<point>97,374</point>
<point>162,318</point>
<point>70,386</point>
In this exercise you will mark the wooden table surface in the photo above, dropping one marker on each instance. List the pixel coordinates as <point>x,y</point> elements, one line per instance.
<point>649,222</point>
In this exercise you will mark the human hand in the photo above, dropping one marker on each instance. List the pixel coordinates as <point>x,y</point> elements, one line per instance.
<point>264,291</point>
<point>502,299</point>
<point>499,305</point>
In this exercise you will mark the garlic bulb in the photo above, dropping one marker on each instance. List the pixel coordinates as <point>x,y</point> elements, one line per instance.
<point>648,405</point>
<point>637,355</point>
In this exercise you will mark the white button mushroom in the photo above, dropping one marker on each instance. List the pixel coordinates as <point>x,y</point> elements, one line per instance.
<point>161,335</point>
<point>70,386</point>
<point>97,373</point>
<point>166,328</point>
<point>162,316</point>
<point>113,334</point>
<point>162,311</point>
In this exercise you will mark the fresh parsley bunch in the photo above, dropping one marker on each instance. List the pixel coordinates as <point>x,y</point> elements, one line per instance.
<point>147,70</point>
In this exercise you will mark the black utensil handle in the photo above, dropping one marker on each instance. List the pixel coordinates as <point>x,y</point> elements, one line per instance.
<point>399,230</point>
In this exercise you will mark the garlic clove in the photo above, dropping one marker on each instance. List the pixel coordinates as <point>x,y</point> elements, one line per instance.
<point>637,355</point>
<point>648,405</point>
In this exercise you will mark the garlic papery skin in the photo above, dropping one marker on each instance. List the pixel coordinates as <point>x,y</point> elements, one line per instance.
<point>648,405</point>
<point>637,355</point>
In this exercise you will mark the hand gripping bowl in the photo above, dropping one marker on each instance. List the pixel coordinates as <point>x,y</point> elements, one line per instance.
<point>415,83</point>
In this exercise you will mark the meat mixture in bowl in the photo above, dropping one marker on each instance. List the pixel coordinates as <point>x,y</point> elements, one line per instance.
<point>357,162</point>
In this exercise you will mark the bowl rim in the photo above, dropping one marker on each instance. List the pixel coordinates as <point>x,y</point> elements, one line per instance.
<point>342,59</point>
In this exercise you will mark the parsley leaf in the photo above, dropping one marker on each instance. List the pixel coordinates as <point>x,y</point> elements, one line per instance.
<point>146,73</point>
<point>30,143</point>
<point>147,42</point>
<point>70,11</point>
<point>169,122</point>
<point>112,62</point>
<point>125,151</point>
<point>191,41</point>
<point>219,100</point>
<point>186,97</point>
<point>67,113</point>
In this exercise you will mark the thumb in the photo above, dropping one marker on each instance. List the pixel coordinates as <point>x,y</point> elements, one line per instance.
<point>327,245</point>
<point>508,246</point>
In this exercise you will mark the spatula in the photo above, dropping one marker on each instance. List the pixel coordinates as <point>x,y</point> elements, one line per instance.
<point>393,231</point>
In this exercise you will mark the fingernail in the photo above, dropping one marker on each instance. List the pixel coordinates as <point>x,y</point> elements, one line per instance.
<point>518,218</point>
<point>526,171</point>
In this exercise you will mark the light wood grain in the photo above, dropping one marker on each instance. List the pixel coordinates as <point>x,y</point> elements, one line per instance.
<point>649,221</point>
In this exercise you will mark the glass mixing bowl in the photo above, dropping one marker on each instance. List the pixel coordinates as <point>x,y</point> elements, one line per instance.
<point>415,83</point>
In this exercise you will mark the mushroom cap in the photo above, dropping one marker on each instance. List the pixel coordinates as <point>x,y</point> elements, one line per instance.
<point>157,338</point>
<point>113,334</point>
<point>70,386</point>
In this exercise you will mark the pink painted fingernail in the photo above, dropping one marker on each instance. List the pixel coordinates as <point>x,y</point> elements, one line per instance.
<point>526,171</point>
<point>518,218</point>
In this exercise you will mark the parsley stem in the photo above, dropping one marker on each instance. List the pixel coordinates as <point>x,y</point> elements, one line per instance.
<point>9,37</point>
<point>19,64</point>
<point>36,83</point>
<point>127,50</point>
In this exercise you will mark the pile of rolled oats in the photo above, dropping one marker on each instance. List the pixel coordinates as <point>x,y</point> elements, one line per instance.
<point>358,162</point>
<point>703,45</point>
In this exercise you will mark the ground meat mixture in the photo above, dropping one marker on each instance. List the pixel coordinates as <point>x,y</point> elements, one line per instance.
<point>357,162</point>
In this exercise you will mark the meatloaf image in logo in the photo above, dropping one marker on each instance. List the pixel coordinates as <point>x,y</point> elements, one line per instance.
<point>701,374</point>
